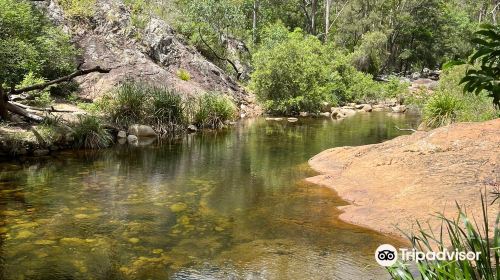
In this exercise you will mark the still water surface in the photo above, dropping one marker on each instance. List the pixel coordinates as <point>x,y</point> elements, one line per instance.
<point>226,205</point>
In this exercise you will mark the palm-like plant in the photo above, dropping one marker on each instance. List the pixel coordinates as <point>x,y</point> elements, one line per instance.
<point>487,77</point>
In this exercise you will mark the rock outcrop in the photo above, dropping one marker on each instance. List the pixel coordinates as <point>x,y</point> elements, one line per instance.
<point>413,177</point>
<point>153,54</point>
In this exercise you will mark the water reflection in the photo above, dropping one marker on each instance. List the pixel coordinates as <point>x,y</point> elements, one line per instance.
<point>218,205</point>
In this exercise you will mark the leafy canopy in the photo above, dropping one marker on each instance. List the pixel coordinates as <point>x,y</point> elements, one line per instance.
<point>487,77</point>
<point>29,43</point>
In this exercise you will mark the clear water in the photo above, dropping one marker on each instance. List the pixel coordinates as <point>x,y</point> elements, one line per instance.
<point>216,205</point>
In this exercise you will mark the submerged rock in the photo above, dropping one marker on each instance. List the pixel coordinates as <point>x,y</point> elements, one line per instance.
<point>274,119</point>
<point>132,139</point>
<point>41,152</point>
<point>178,207</point>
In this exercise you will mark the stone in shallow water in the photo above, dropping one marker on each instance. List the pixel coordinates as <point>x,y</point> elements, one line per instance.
<point>72,241</point>
<point>219,229</point>
<point>184,220</point>
<point>134,240</point>
<point>24,234</point>
<point>178,207</point>
<point>45,242</point>
<point>26,225</point>
<point>82,216</point>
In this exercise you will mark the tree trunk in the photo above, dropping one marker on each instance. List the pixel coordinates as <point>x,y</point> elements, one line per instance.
<point>4,114</point>
<point>254,21</point>
<point>327,18</point>
<point>314,4</point>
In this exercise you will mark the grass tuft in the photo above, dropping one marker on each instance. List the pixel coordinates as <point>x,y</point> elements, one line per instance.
<point>168,112</point>
<point>213,110</point>
<point>464,235</point>
<point>89,133</point>
<point>183,74</point>
<point>441,109</point>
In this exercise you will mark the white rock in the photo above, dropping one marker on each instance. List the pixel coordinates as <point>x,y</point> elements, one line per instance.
<point>122,134</point>
<point>141,130</point>
<point>399,109</point>
<point>292,119</point>
<point>192,128</point>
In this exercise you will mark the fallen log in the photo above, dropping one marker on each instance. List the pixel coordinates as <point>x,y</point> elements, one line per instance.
<point>50,110</point>
<point>23,110</point>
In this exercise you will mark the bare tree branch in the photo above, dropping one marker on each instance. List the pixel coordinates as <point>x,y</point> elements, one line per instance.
<point>60,80</point>
<point>406,129</point>
<point>238,73</point>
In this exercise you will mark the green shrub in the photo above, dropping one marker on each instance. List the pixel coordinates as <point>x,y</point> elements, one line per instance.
<point>465,236</point>
<point>168,111</point>
<point>30,43</point>
<point>450,103</point>
<point>292,74</point>
<point>79,8</point>
<point>41,98</point>
<point>442,109</point>
<point>370,55</point>
<point>133,103</point>
<point>213,110</point>
<point>395,88</point>
<point>128,104</point>
<point>89,133</point>
<point>183,74</point>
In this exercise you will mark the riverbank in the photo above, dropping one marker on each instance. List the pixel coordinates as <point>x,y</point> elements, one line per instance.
<point>393,184</point>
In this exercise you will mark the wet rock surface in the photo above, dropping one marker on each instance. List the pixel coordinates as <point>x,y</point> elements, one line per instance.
<point>412,177</point>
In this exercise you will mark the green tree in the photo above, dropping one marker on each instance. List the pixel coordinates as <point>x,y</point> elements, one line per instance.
<point>291,72</point>
<point>487,77</point>
<point>30,44</point>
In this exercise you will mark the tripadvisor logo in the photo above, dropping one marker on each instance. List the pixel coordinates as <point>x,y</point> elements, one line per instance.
<point>387,255</point>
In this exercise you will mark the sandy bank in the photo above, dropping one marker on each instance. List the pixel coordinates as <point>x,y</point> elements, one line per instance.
<point>395,183</point>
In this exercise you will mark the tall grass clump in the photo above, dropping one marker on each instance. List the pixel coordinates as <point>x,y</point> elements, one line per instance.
<point>138,103</point>
<point>213,110</point>
<point>465,236</point>
<point>168,111</point>
<point>89,133</point>
<point>450,104</point>
<point>128,105</point>
<point>442,109</point>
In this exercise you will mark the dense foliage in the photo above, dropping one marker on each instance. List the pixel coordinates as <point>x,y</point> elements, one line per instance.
<point>292,73</point>
<point>162,108</point>
<point>295,72</point>
<point>487,77</point>
<point>451,104</point>
<point>31,45</point>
